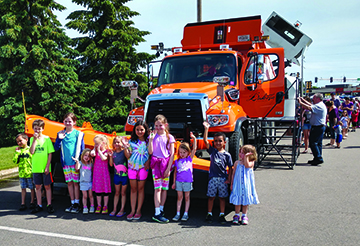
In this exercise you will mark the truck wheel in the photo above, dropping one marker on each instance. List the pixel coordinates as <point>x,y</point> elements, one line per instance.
<point>235,142</point>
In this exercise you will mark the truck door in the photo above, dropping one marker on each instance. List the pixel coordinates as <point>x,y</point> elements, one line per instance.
<point>261,78</point>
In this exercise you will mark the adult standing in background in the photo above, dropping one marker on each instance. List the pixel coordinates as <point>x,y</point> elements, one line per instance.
<point>333,117</point>
<point>318,122</point>
<point>335,100</point>
<point>349,107</point>
<point>358,103</point>
<point>306,115</point>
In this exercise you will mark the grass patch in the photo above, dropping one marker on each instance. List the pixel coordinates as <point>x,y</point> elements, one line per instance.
<point>6,156</point>
<point>121,133</point>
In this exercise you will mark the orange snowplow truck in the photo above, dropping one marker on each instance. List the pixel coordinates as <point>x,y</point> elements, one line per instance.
<point>223,74</point>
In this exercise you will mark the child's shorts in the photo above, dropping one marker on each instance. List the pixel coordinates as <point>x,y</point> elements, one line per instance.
<point>85,185</point>
<point>217,184</point>
<point>183,186</point>
<point>123,180</point>
<point>42,178</point>
<point>161,183</point>
<point>27,183</point>
<point>306,126</point>
<point>140,174</point>
<point>71,174</point>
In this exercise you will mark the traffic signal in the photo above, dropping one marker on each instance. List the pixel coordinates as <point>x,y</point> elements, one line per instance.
<point>316,79</point>
<point>331,79</point>
<point>344,79</point>
<point>308,85</point>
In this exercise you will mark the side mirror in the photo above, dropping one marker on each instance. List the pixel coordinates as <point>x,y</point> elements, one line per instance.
<point>222,80</point>
<point>151,72</point>
<point>279,97</point>
<point>129,83</point>
<point>133,86</point>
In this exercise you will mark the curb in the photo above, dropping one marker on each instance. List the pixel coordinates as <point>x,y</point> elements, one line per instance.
<point>9,173</point>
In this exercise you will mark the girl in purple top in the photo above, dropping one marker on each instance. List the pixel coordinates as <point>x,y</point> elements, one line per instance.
<point>161,147</point>
<point>183,177</point>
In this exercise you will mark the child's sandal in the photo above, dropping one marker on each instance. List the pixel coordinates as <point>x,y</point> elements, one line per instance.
<point>137,217</point>
<point>130,217</point>
<point>105,210</point>
<point>120,214</point>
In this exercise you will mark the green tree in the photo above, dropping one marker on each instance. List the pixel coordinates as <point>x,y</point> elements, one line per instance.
<point>35,57</point>
<point>107,57</point>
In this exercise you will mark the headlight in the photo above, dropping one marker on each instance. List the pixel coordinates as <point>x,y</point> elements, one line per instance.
<point>218,120</point>
<point>132,119</point>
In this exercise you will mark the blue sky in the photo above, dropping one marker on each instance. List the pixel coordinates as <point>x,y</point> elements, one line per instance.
<point>332,25</point>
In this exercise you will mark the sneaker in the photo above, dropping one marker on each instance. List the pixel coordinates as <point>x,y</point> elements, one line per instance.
<point>50,209</point>
<point>68,210</point>
<point>92,209</point>
<point>98,209</point>
<point>222,219</point>
<point>105,210</point>
<point>32,205</point>
<point>86,210</point>
<point>209,218</point>
<point>236,219</point>
<point>36,209</point>
<point>244,220</point>
<point>22,207</point>
<point>159,218</point>
<point>176,218</point>
<point>76,208</point>
<point>185,217</point>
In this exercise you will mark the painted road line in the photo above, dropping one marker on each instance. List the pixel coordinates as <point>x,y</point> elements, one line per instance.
<point>71,237</point>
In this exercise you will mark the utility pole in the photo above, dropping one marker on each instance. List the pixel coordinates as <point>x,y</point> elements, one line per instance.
<point>199,16</point>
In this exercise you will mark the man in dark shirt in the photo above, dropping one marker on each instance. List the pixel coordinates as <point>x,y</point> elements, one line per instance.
<point>335,100</point>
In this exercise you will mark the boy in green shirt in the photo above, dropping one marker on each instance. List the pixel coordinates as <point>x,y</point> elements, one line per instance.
<point>41,149</point>
<point>22,157</point>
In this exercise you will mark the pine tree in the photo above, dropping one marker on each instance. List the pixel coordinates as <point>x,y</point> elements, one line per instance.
<point>107,57</point>
<point>35,57</point>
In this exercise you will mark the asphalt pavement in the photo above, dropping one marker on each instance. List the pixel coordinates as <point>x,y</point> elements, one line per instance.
<point>310,205</point>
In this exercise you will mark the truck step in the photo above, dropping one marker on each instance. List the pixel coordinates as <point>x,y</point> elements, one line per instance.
<point>278,136</point>
<point>279,145</point>
<point>277,127</point>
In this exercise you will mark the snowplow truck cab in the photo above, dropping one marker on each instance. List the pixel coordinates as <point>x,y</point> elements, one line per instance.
<point>223,74</point>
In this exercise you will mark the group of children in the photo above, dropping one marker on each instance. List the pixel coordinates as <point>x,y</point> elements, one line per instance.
<point>87,170</point>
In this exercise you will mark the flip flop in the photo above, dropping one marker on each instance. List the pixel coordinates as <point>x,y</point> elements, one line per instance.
<point>119,215</point>
<point>130,217</point>
<point>137,217</point>
<point>112,214</point>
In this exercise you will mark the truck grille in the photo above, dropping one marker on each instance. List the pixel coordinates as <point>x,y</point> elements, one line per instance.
<point>181,114</point>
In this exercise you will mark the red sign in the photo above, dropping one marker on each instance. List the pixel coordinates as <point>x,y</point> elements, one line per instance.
<point>337,90</point>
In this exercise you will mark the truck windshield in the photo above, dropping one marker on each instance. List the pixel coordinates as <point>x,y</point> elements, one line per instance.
<point>197,68</point>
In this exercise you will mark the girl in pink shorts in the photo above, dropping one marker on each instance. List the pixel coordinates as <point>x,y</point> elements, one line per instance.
<point>161,147</point>
<point>136,152</point>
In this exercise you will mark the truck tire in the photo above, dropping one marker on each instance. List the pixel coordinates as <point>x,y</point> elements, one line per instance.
<point>236,140</point>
